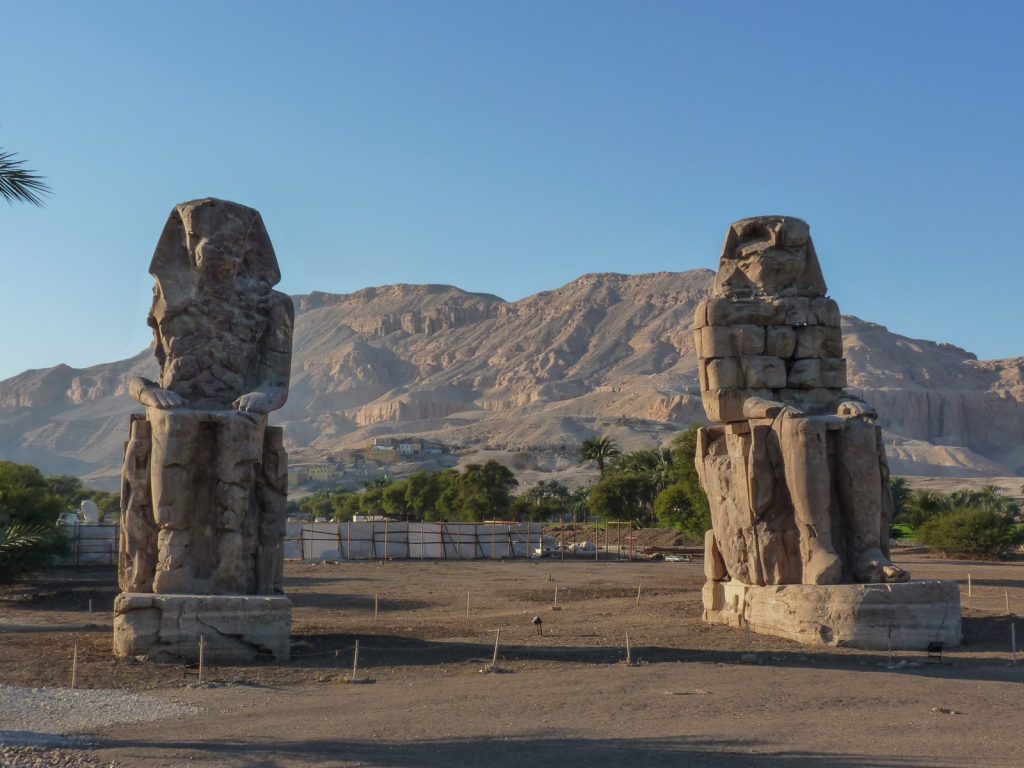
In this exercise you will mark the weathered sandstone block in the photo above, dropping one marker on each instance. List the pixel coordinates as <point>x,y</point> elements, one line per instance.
<point>234,628</point>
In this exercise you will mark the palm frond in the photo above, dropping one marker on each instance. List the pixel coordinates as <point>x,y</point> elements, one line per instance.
<point>18,184</point>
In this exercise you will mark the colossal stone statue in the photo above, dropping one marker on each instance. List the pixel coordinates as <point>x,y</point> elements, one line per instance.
<point>794,467</point>
<point>205,479</point>
<point>796,477</point>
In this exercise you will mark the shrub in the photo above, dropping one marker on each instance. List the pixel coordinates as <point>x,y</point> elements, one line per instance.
<point>969,532</point>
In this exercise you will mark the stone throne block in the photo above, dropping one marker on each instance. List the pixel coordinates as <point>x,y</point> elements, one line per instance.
<point>204,482</point>
<point>795,469</point>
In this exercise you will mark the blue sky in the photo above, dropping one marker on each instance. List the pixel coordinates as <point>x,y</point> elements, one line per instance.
<point>508,147</point>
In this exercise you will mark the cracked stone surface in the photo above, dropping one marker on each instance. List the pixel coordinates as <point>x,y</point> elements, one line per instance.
<point>908,615</point>
<point>233,627</point>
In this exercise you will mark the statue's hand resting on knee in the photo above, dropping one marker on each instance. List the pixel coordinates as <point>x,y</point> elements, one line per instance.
<point>151,395</point>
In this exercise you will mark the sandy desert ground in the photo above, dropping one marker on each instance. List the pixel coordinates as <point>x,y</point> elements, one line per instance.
<point>564,697</point>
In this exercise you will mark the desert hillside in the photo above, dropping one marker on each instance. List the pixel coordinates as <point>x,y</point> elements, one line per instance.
<point>605,354</point>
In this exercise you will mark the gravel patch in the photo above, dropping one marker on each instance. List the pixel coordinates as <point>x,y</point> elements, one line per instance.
<point>51,717</point>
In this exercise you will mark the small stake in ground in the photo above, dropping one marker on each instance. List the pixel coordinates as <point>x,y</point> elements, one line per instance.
<point>74,667</point>
<point>1006,594</point>
<point>376,604</point>
<point>494,658</point>
<point>468,593</point>
<point>90,606</point>
<point>202,657</point>
<point>892,661</point>
<point>629,652</point>
<point>969,584</point>
<point>554,606</point>
<point>355,663</point>
<point>638,588</point>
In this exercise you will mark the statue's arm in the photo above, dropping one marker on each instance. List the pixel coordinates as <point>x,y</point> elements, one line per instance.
<point>150,394</point>
<point>850,406</point>
<point>275,361</point>
<point>762,408</point>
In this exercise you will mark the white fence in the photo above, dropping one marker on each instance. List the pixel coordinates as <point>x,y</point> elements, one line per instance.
<point>417,541</point>
<point>98,544</point>
<point>91,544</point>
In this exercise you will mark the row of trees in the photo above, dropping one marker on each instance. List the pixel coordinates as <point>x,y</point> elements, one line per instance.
<point>650,486</point>
<point>479,492</point>
<point>646,487</point>
<point>965,523</point>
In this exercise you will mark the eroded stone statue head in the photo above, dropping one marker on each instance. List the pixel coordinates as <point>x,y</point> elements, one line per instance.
<point>769,256</point>
<point>213,247</point>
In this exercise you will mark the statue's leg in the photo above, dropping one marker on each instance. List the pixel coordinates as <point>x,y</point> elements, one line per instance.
<point>805,459</point>
<point>239,453</point>
<point>272,496</point>
<point>861,491</point>
<point>137,559</point>
<point>174,438</point>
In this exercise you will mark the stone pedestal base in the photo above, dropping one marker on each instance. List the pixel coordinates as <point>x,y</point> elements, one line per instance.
<point>913,614</point>
<point>235,627</point>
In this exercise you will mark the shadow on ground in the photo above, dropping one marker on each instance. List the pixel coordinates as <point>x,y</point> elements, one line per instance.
<point>534,751</point>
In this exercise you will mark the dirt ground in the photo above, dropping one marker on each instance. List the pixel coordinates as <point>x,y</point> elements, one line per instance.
<point>564,697</point>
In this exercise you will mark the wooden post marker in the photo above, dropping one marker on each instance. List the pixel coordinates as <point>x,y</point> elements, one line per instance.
<point>638,588</point>
<point>202,657</point>
<point>494,658</point>
<point>376,605</point>
<point>468,593</point>
<point>74,667</point>
<point>554,607</point>
<point>1006,594</point>
<point>355,663</point>
<point>629,652</point>
<point>969,584</point>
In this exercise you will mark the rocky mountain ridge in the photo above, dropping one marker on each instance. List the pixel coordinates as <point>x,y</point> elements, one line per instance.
<point>604,354</point>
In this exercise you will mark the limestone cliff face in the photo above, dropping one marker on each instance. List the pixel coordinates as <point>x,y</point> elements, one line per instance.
<point>606,353</point>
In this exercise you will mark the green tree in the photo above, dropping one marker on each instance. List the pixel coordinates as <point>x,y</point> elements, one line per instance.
<point>479,492</point>
<point>319,504</point>
<point>625,495</point>
<point>969,532</point>
<point>578,506</point>
<point>684,504</point>
<point>394,499</point>
<point>921,506</point>
<point>29,534</point>
<point>345,506</point>
<point>547,500</point>
<point>423,490</point>
<point>17,183</point>
<point>599,450</point>
<point>900,494</point>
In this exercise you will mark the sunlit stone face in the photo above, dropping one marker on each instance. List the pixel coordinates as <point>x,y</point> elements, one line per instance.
<point>769,257</point>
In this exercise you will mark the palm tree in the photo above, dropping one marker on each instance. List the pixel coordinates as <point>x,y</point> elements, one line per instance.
<point>18,184</point>
<point>598,449</point>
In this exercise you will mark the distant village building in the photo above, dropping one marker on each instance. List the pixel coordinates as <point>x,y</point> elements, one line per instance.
<point>323,472</point>
<point>405,446</point>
